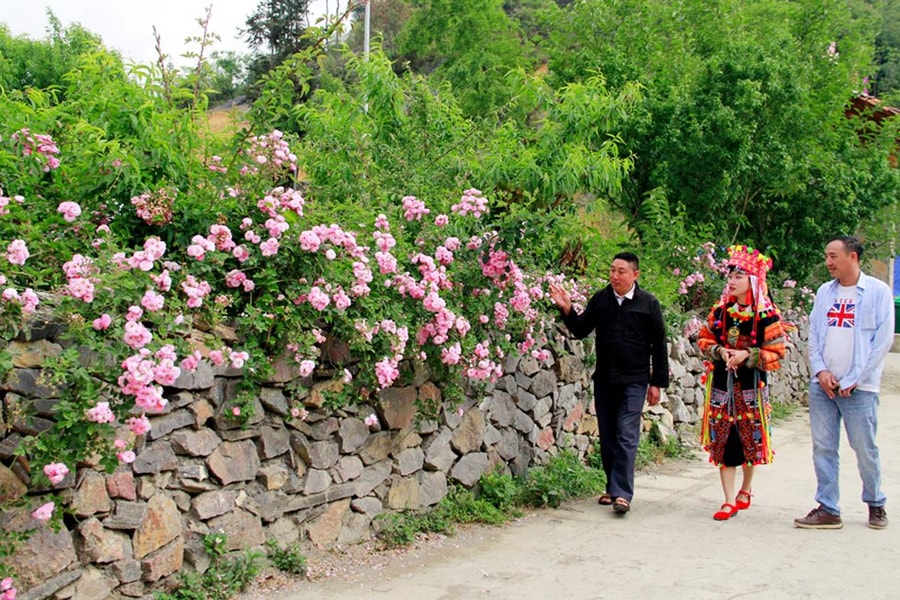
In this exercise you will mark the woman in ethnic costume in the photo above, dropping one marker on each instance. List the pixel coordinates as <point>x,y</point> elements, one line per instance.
<point>744,339</point>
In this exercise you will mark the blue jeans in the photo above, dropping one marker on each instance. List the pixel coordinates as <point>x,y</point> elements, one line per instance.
<point>619,409</point>
<point>860,415</point>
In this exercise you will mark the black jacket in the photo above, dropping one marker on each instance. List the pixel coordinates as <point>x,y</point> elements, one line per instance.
<point>627,337</point>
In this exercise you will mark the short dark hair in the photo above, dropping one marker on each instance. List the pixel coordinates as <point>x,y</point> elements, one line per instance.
<point>851,244</point>
<point>628,257</point>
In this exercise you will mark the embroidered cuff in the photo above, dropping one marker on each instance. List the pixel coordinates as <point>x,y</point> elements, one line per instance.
<point>753,359</point>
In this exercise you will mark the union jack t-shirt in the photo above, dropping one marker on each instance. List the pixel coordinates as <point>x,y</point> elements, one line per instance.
<point>842,313</point>
<point>841,317</point>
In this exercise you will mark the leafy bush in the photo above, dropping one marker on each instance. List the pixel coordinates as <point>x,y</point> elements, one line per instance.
<point>563,478</point>
<point>458,506</point>
<point>225,577</point>
<point>499,489</point>
<point>499,497</point>
<point>290,560</point>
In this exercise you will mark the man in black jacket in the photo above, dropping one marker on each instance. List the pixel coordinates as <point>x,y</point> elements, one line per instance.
<point>632,364</point>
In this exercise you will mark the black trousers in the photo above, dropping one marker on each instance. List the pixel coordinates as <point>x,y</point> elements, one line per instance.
<point>619,409</point>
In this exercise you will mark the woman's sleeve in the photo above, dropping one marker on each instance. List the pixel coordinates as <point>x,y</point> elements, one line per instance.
<point>706,339</point>
<point>767,356</point>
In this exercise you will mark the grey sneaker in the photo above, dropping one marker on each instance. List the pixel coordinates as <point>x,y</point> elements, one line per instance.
<point>877,517</point>
<point>819,518</point>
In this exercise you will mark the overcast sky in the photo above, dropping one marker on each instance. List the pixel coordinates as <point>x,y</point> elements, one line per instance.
<point>127,25</point>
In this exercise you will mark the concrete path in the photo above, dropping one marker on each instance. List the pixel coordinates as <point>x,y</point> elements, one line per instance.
<point>669,546</point>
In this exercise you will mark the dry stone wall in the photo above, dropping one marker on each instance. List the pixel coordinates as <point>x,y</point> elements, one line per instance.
<point>322,481</point>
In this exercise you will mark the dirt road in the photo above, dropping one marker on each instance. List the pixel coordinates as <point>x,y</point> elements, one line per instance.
<point>669,546</point>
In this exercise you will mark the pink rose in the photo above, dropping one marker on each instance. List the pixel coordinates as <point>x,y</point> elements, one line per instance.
<point>102,322</point>
<point>44,512</point>
<point>56,472</point>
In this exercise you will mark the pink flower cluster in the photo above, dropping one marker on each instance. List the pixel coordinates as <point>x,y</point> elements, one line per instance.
<point>7,591</point>
<point>80,276</point>
<point>689,281</point>
<point>236,278</point>
<point>40,146</point>
<point>143,260</point>
<point>101,413</point>
<point>17,252</point>
<point>28,300</point>
<point>196,291</point>
<point>270,149</point>
<point>215,164</point>
<point>413,208</point>
<point>281,199</point>
<point>472,202</point>
<point>56,472</point>
<point>69,210</point>
<point>123,454</point>
<point>155,208</point>
<point>4,202</point>
<point>145,373</point>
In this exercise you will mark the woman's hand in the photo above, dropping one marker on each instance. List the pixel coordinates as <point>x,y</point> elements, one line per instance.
<point>734,358</point>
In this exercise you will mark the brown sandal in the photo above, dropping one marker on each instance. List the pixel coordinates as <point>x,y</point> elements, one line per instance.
<point>621,505</point>
<point>605,499</point>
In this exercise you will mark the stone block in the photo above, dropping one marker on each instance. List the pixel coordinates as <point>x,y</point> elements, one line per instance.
<point>126,515</point>
<point>469,469</point>
<point>234,461</point>
<point>212,504</point>
<point>101,545</point>
<point>41,557</point>
<point>410,460</point>
<point>160,525</point>
<point>93,585</point>
<point>403,493</point>
<point>324,530</point>
<point>155,458</point>
<point>90,496</point>
<point>377,447</point>
<point>432,487</point>
<point>164,562</point>
<point>470,433</point>
<point>398,406</point>
<point>372,477</point>
<point>121,485</point>
<point>243,529</point>
<point>273,442</point>
<point>348,468</point>
<point>352,433</point>
<point>317,481</point>
<point>166,424</point>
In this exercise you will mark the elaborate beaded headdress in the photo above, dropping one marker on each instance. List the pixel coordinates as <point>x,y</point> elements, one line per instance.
<point>755,264</point>
<point>749,260</point>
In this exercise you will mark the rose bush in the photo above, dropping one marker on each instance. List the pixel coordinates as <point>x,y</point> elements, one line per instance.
<point>432,285</point>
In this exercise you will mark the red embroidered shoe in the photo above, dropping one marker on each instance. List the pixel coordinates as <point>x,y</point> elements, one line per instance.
<point>743,504</point>
<point>726,512</point>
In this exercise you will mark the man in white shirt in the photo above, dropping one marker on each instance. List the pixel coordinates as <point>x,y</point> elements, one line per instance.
<point>851,331</point>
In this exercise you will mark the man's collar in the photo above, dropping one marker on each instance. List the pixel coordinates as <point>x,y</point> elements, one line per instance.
<point>629,294</point>
<point>860,282</point>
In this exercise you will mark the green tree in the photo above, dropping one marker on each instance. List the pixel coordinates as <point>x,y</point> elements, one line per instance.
<point>227,75</point>
<point>471,44</point>
<point>387,19</point>
<point>40,64</point>
<point>742,127</point>
<point>887,77</point>
<point>275,31</point>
